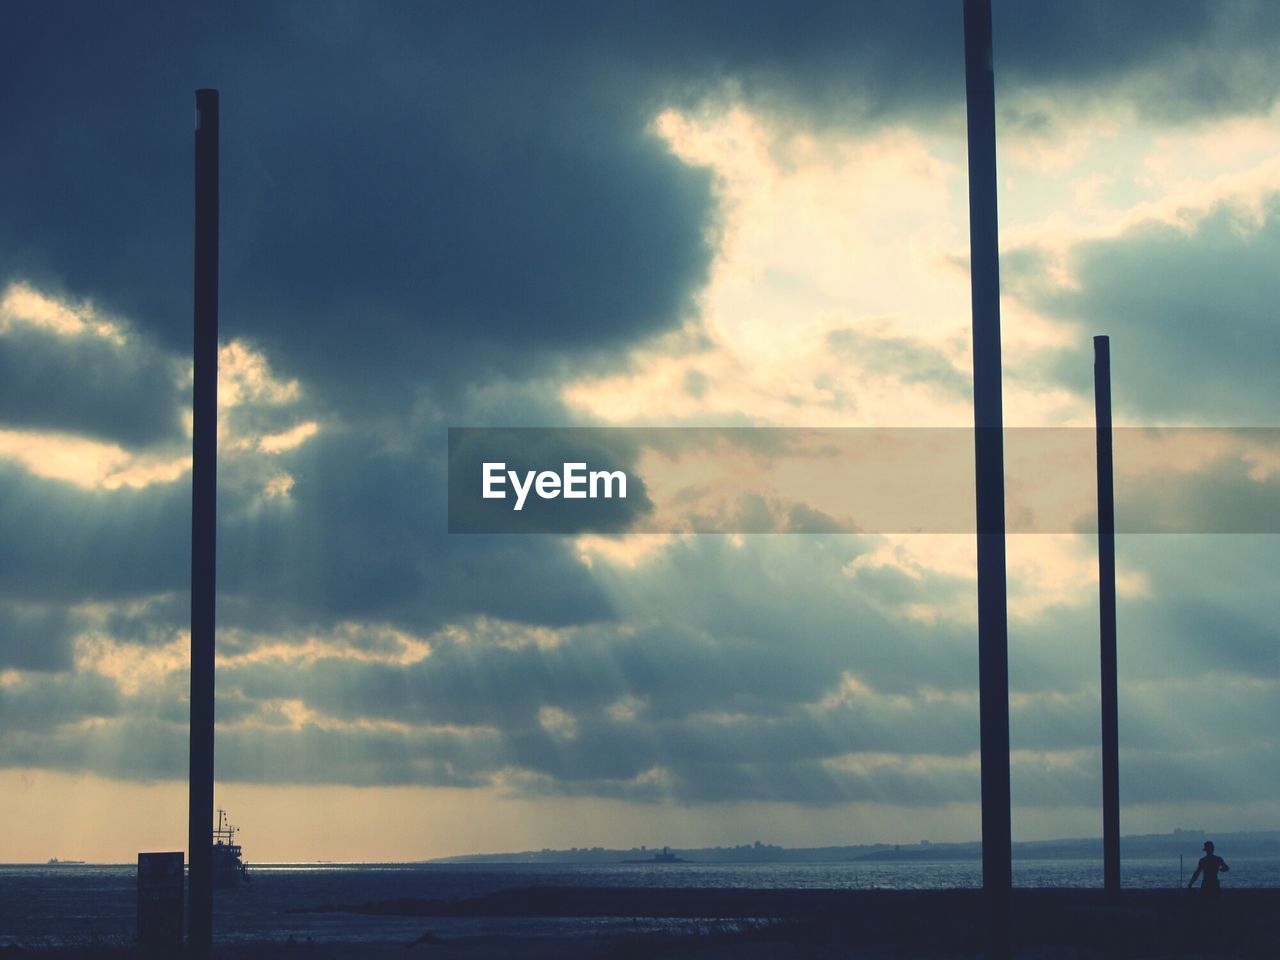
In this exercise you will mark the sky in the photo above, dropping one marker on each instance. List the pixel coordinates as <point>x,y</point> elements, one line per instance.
<point>605,215</point>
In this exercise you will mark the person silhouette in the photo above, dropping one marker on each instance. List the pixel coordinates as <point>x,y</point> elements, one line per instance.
<point>1210,865</point>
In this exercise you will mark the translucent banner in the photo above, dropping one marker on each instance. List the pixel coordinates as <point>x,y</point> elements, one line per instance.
<point>573,480</point>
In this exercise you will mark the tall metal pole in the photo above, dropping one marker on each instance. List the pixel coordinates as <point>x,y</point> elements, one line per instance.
<point>203,524</point>
<point>993,653</point>
<point>1107,615</point>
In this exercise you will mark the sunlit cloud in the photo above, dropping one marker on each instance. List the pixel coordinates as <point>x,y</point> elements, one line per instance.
<point>288,439</point>
<point>628,551</point>
<point>292,714</point>
<point>626,709</point>
<point>90,464</point>
<point>244,376</point>
<point>558,722</point>
<point>502,634</point>
<point>133,667</point>
<point>1123,173</point>
<point>22,304</point>
<point>357,642</point>
<point>1045,572</point>
<point>816,236</point>
<point>251,401</point>
<point>871,764</point>
<point>278,486</point>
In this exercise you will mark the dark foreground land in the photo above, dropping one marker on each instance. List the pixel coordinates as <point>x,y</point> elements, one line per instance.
<point>817,924</point>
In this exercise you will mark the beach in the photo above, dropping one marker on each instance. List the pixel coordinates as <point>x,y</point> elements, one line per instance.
<point>740,923</point>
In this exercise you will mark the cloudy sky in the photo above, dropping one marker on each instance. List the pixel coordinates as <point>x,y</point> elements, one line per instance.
<point>664,214</point>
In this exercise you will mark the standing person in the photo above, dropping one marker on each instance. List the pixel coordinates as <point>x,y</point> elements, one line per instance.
<point>1210,865</point>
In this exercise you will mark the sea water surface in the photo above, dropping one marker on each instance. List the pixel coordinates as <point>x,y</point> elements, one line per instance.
<point>82,904</point>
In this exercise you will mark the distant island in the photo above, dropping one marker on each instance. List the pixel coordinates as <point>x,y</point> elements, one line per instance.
<point>1241,845</point>
<point>666,856</point>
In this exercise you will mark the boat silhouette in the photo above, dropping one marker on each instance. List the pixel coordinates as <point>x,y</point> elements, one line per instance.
<point>228,867</point>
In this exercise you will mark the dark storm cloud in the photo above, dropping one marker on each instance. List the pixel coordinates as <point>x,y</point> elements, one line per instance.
<point>1191,315</point>
<point>422,204</point>
<point>459,191</point>
<point>819,785</point>
<point>47,702</point>
<point>40,636</point>
<point>584,748</point>
<point>87,385</point>
<point>1228,495</point>
<point>134,749</point>
<point>724,675</point>
<point>675,671</point>
<point>786,594</point>
<point>64,543</point>
<point>1211,609</point>
<point>406,193</point>
<point>1054,651</point>
<point>1173,60</point>
<point>713,692</point>
<point>790,782</point>
<point>149,622</point>
<point>1054,721</point>
<point>365,536</point>
<point>1228,772</point>
<point>138,748</point>
<point>311,755</point>
<point>720,712</point>
<point>1205,707</point>
<point>35,637</point>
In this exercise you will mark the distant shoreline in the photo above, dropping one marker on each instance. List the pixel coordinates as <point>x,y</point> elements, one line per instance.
<point>1235,845</point>
<point>1186,843</point>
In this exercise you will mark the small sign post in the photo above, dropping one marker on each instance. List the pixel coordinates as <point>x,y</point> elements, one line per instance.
<point>160,884</point>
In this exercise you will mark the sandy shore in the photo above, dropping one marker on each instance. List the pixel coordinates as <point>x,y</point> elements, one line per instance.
<point>805,925</point>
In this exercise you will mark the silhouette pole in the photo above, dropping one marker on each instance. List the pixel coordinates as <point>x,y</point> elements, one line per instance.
<point>993,652</point>
<point>204,474</point>
<point>1107,616</point>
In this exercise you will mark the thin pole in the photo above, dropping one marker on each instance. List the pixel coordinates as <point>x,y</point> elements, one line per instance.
<point>1107,614</point>
<point>993,653</point>
<point>203,524</point>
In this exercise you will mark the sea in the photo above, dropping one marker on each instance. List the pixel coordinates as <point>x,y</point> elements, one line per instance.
<point>87,904</point>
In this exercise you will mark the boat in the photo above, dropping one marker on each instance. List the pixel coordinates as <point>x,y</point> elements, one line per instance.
<point>228,867</point>
<point>55,862</point>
